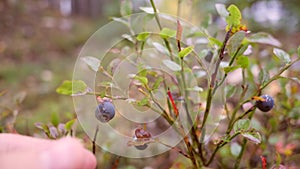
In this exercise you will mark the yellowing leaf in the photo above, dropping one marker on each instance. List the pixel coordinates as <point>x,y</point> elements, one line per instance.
<point>183,53</point>
<point>234,17</point>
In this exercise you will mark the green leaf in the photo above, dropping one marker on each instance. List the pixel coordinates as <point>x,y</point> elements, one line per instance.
<point>69,124</point>
<point>157,83</point>
<point>160,48</point>
<point>234,17</point>
<point>222,11</point>
<point>142,79</point>
<point>143,73</point>
<point>195,88</point>
<point>235,42</point>
<point>207,20</point>
<point>299,51</point>
<point>282,55</point>
<point>244,47</point>
<point>106,84</point>
<point>235,149</point>
<point>128,37</point>
<point>143,36</point>
<point>92,62</point>
<point>167,33</point>
<point>203,53</point>
<point>263,76</point>
<point>121,20</point>
<point>143,102</point>
<point>72,87</point>
<point>213,41</point>
<point>264,38</point>
<point>148,10</point>
<point>126,7</point>
<point>230,68</point>
<point>186,51</point>
<point>230,90</point>
<point>40,125</point>
<point>172,65</point>
<point>241,125</point>
<point>252,135</point>
<point>55,119</point>
<point>243,61</point>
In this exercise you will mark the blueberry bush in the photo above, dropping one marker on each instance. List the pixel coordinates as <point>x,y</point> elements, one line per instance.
<point>228,92</point>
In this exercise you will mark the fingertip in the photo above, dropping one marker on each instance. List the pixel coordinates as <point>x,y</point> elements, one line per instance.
<point>90,160</point>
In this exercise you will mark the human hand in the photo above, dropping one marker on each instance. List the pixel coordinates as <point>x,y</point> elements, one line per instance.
<point>17,151</point>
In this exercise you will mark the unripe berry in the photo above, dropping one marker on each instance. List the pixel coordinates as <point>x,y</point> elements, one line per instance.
<point>105,111</point>
<point>140,147</point>
<point>141,135</point>
<point>265,105</point>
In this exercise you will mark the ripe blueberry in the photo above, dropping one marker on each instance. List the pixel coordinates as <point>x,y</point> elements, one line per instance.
<point>141,135</point>
<point>265,105</point>
<point>105,111</point>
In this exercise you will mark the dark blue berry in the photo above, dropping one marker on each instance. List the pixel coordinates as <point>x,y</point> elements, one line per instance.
<point>105,111</point>
<point>265,105</point>
<point>141,147</point>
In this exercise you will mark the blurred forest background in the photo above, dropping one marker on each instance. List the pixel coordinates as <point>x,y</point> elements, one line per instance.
<point>40,41</point>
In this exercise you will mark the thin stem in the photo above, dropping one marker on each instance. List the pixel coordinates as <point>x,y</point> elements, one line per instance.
<point>94,140</point>
<point>238,160</point>
<point>244,114</point>
<point>165,114</point>
<point>211,89</point>
<point>221,57</point>
<point>155,14</point>
<point>186,140</point>
<point>186,106</point>
<point>141,49</point>
<point>213,79</point>
<point>226,74</point>
<point>160,28</point>
<point>232,119</point>
<point>275,77</point>
<point>220,145</point>
<point>175,148</point>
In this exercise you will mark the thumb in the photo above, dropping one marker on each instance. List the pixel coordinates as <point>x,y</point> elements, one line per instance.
<point>67,153</point>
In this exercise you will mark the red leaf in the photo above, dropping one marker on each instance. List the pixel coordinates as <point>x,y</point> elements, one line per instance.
<point>173,103</point>
<point>264,162</point>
